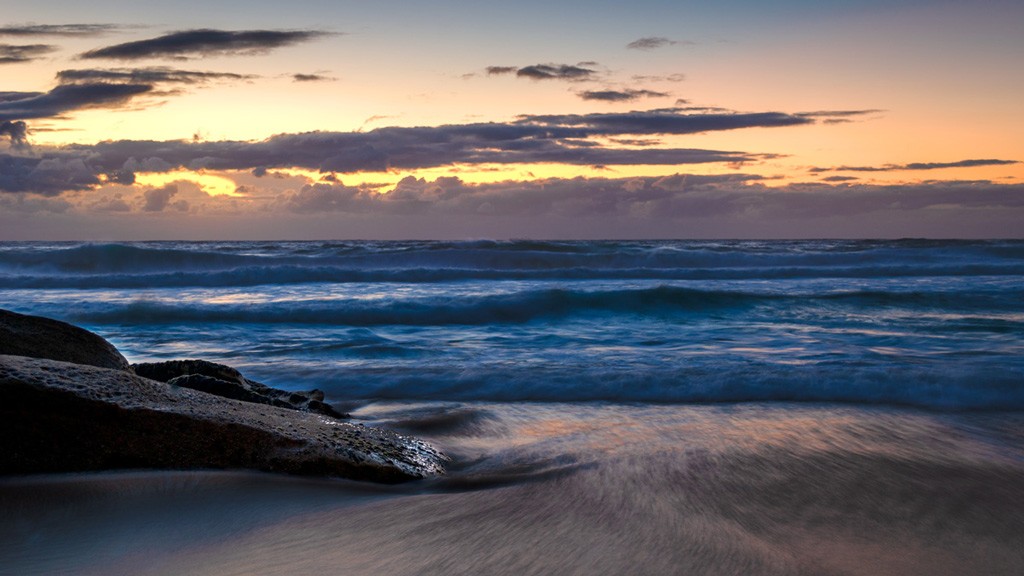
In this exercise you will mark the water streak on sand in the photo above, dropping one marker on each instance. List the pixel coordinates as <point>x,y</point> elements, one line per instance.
<point>543,489</point>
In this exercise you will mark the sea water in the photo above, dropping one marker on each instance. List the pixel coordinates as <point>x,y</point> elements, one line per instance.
<point>611,407</point>
<point>935,324</point>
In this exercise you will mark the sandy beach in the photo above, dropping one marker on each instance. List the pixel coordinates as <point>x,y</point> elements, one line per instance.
<point>549,488</point>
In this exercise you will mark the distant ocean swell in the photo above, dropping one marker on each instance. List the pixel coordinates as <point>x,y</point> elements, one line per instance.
<point>249,264</point>
<point>926,323</point>
<point>284,274</point>
<point>543,304</point>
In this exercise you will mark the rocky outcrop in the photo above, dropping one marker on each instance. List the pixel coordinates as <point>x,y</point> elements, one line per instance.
<point>57,416</point>
<point>38,337</point>
<point>225,381</point>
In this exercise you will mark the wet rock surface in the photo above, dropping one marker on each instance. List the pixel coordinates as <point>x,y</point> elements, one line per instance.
<point>69,401</point>
<point>228,382</point>
<point>38,337</point>
<point>59,416</point>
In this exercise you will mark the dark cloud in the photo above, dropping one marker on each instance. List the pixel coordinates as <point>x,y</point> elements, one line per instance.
<point>123,176</point>
<point>395,148</point>
<point>722,205</point>
<point>148,75</point>
<point>620,95</point>
<point>11,96</point>
<point>449,196</point>
<point>204,42</point>
<point>555,72</point>
<point>567,139</point>
<point>678,77</point>
<point>654,42</point>
<point>20,53</point>
<point>839,179</point>
<point>97,88</point>
<point>312,78</point>
<point>25,203</point>
<point>110,204</point>
<point>70,97</point>
<point>666,121</point>
<point>836,116</point>
<point>958,164</point>
<point>677,197</point>
<point>47,176</point>
<point>156,199</point>
<point>499,70</point>
<point>16,131</point>
<point>919,166</point>
<point>636,142</point>
<point>706,109</point>
<point>573,73</point>
<point>839,113</point>
<point>59,29</point>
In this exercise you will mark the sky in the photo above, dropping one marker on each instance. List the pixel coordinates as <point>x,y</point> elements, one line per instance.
<point>453,119</point>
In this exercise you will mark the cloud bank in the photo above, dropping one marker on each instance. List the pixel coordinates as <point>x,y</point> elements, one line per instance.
<point>620,95</point>
<point>681,205</point>
<point>148,75</point>
<point>567,72</point>
<point>681,196</point>
<point>59,29</point>
<point>654,42</point>
<point>205,42</point>
<point>312,78</point>
<point>565,139</point>
<point>21,53</point>
<point>16,132</point>
<point>67,98</point>
<point>971,163</point>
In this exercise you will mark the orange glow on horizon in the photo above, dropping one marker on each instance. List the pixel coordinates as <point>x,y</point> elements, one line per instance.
<point>212,184</point>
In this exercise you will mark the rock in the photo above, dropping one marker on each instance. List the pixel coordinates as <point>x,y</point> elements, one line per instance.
<point>60,417</point>
<point>165,371</point>
<point>219,387</point>
<point>225,381</point>
<point>38,337</point>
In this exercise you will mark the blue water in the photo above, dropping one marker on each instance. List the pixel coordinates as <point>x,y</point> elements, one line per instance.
<point>812,407</point>
<point>933,324</point>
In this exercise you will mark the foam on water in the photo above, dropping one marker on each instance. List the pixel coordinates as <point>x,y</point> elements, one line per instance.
<point>937,324</point>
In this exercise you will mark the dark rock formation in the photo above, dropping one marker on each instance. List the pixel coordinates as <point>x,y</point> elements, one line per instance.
<point>164,371</point>
<point>38,337</point>
<point>219,387</point>
<point>227,382</point>
<point>57,416</point>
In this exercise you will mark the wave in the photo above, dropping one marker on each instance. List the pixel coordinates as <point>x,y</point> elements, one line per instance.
<point>944,386</point>
<point>176,264</point>
<point>523,306</point>
<point>103,258</point>
<point>246,276</point>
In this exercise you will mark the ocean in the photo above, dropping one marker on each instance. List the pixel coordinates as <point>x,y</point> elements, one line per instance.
<point>612,407</point>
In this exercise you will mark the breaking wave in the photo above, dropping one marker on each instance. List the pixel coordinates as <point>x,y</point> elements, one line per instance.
<point>176,264</point>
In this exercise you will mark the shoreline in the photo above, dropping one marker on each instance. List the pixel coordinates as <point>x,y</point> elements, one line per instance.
<point>828,490</point>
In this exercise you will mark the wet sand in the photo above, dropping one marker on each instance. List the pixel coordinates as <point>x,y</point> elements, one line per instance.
<point>574,489</point>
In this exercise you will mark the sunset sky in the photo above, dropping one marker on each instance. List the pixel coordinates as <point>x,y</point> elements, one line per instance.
<point>568,119</point>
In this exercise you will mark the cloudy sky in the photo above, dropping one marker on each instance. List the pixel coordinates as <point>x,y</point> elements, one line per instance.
<point>457,119</point>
